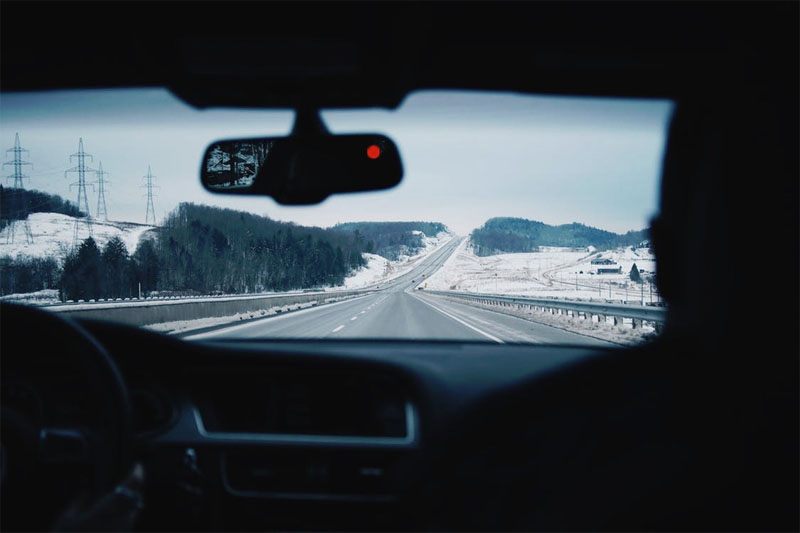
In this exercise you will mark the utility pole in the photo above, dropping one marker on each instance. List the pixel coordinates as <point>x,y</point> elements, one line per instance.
<point>151,211</point>
<point>18,200</point>
<point>102,212</point>
<point>83,200</point>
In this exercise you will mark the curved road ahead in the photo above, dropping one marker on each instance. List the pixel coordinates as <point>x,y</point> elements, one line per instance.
<point>397,311</point>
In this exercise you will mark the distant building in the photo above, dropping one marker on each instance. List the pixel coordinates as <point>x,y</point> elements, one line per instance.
<point>609,269</point>
<point>603,261</point>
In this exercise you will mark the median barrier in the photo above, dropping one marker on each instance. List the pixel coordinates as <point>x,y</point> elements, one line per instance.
<point>142,313</point>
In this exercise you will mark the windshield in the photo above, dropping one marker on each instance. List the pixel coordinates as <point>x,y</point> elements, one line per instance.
<point>520,219</point>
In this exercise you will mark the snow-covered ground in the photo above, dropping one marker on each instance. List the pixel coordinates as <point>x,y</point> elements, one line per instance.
<point>43,297</point>
<point>564,273</point>
<point>53,234</point>
<point>380,269</point>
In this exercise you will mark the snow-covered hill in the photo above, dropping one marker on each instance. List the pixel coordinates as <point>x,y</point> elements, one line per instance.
<point>53,235</point>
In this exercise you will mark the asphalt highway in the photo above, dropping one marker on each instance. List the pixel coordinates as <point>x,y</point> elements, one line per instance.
<point>397,310</point>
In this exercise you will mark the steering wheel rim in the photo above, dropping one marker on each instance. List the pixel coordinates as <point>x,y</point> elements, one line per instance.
<point>26,334</point>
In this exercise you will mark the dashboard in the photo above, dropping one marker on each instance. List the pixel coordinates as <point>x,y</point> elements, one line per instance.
<point>302,434</point>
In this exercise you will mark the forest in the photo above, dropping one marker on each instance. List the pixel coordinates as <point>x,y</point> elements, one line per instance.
<point>208,250</point>
<point>391,239</point>
<point>515,235</point>
<point>17,204</point>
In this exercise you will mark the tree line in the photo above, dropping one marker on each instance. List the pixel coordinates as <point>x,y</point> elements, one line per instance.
<point>517,235</point>
<point>391,239</point>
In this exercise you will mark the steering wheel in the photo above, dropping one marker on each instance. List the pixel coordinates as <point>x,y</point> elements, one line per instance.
<point>70,433</point>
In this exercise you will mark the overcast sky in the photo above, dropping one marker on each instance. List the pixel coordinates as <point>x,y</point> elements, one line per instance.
<point>468,156</point>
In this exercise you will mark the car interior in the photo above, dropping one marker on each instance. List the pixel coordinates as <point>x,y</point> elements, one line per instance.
<point>697,430</point>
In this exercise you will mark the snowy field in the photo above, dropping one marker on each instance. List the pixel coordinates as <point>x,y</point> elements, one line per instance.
<point>553,272</point>
<point>380,269</point>
<point>53,235</point>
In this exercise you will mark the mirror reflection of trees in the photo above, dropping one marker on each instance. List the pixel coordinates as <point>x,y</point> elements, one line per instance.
<point>235,164</point>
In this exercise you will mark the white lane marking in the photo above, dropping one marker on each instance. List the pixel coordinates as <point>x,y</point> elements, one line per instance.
<point>273,318</point>
<point>487,335</point>
<point>338,329</point>
<point>355,317</point>
<point>362,312</point>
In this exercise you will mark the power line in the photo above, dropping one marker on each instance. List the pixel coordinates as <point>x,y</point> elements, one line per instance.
<point>19,197</point>
<point>102,212</point>
<point>151,211</point>
<point>83,200</point>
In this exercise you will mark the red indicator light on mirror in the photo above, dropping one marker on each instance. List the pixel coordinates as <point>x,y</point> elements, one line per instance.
<point>373,151</point>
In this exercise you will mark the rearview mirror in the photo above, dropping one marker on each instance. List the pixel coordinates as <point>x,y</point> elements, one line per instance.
<point>302,169</point>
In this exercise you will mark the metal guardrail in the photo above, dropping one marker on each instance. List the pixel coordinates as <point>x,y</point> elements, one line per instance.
<point>657,315</point>
<point>144,312</point>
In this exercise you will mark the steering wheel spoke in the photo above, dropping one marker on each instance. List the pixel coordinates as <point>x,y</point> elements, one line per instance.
<point>63,445</point>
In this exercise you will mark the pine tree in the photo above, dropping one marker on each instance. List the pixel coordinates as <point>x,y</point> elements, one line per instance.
<point>635,276</point>
<point>116,269</point>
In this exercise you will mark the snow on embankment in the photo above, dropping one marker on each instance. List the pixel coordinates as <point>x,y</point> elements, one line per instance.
<point>377,269</point>
<point>380,269</point>
<point>53,234</point>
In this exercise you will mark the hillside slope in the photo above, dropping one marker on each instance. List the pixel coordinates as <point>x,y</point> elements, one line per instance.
<point>53,234</point>
<point>515,235</point>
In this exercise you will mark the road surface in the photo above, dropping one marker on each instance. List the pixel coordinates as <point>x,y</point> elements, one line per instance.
<point>399,311</point>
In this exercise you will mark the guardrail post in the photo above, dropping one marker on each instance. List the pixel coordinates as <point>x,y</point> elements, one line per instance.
<point>618,321</point>
<point>636,323</point>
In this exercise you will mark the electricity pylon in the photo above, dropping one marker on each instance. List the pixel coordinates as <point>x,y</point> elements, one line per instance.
<point>18,199</point>
<point>83,200</point>
<point>151,211</point>
<point>102,212</point>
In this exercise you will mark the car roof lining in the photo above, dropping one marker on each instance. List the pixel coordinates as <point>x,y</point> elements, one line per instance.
<point>373,55</point>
